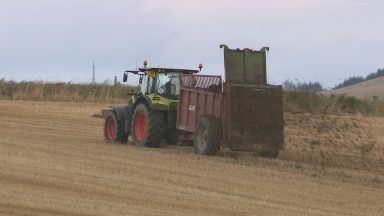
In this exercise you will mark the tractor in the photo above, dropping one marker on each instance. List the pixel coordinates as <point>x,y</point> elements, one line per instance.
<point>244,113</point>
<point>150,115</point>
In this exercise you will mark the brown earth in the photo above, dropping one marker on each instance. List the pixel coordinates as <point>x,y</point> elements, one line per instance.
<point>364,90</point>
<point>53,161</point>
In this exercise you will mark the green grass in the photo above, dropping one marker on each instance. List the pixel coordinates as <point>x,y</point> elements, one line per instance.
<point>69,92</point>
<point>319,103</point>
<point>294,101</point>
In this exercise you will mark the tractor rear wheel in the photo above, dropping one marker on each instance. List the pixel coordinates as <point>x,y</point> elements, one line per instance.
<point>171,135</point>
<point>207,135</point>
<point>113,129</point>
<point>147,126</point>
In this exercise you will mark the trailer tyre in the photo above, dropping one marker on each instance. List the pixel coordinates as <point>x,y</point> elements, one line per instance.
<point>147,126</point>
<point>114,129</point>
<point>207,135</point>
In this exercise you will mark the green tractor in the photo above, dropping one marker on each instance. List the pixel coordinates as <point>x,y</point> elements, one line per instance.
<point>151,113</point>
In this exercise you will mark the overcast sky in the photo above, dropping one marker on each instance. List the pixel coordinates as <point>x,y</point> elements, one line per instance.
<point>317,40</point>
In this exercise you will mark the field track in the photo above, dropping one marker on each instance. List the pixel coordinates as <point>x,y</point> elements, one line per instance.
<point>53,161</point>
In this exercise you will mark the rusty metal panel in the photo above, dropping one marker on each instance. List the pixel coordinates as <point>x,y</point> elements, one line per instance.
<point>245,66</point>
<point>254,117</point>
<point>191,110</point>
<point>199,81</point>
<point>182,108</point>
<point>198,98</point>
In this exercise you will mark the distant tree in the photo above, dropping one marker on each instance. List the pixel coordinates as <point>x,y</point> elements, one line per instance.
<point>358,79</point>
<point>350,81</point>
<point>302,86</point>
<point>311,86</point>
<point>379,73</point>
<point>289,85</point>
<point>107,82</point>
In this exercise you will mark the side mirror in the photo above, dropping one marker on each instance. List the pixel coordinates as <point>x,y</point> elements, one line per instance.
<point>125,77</point>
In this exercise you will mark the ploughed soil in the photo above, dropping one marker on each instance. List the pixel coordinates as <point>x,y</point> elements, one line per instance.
<point>53,161</point>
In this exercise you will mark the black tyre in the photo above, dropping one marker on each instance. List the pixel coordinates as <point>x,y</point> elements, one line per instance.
<point>172,135</point>
<point>171,139</point>
<point>269,154</point>
<point>147,126</point>
<point>207,135</point>
<point>114,129</point>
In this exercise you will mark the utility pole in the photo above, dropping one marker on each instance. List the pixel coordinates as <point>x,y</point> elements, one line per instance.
<point>93,72</point>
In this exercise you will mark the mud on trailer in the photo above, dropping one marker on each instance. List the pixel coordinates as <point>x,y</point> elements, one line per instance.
<point>243,113</point>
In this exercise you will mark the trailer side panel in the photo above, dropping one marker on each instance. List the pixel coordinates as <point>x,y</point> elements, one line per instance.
<point>254,117</point>
<point>199,95</point>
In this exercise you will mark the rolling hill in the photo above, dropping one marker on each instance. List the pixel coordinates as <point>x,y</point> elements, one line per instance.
<point>364,90</point>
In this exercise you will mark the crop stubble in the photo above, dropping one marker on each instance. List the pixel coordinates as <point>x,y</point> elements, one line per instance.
<point>54,162</point>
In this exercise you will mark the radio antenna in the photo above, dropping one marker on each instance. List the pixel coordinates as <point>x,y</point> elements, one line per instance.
<point>93,72</point>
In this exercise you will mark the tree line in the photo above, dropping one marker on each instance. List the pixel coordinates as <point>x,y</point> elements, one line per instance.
<point>358,79</point>
<point>289,85</point>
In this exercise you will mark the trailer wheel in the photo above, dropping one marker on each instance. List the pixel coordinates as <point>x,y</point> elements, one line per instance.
<point>113,129</point>
<point>147,126</point>
<point>207,135</point>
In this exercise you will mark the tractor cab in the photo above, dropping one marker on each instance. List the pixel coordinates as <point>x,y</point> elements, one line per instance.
<point>160,81</point>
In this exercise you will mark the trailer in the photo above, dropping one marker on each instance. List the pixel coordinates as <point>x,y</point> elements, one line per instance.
<point>243,113</point>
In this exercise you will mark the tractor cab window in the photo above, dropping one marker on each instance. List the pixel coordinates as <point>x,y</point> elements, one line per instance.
<point>168,85</point>
<point>143,85</point>
<point>146,85</point>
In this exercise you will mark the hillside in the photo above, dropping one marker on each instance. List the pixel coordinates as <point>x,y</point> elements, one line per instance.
<point>364,90</point>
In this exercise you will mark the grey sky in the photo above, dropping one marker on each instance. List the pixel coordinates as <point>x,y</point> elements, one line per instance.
<point>318,40</point>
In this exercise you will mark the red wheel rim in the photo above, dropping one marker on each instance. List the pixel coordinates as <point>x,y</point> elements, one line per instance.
<point>140,126</point>
<point>110,128</point>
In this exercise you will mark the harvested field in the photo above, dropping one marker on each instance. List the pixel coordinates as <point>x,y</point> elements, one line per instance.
<point>53,161</point>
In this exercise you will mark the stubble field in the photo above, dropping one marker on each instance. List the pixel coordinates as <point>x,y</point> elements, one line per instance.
<point>53,161</point>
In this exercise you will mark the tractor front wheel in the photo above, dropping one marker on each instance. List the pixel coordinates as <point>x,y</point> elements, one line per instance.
<point>147,126</point>
<point>207,135</point>
<point>113,129</point>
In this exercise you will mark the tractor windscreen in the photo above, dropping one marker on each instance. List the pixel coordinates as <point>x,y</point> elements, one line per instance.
<point>168,85</point>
